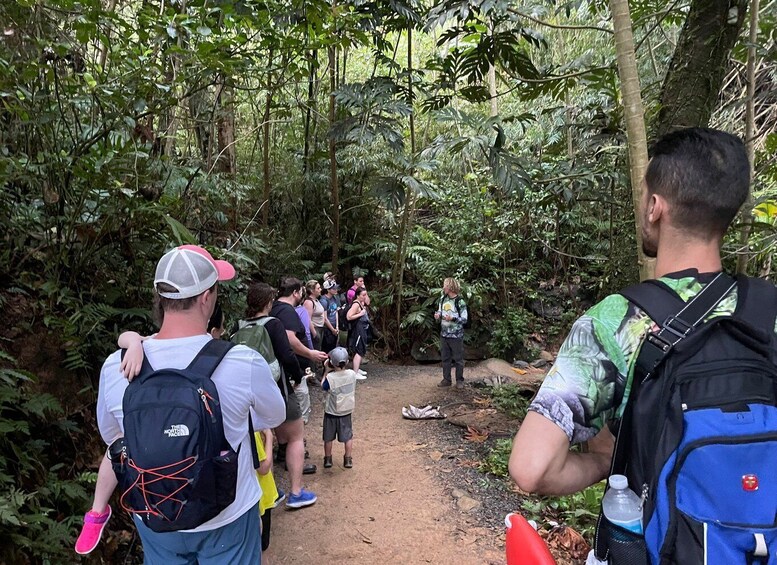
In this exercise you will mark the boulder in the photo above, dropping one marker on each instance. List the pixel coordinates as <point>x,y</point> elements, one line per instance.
<point>547,356</point>
<point>539,363</point>
<point>520,364</point>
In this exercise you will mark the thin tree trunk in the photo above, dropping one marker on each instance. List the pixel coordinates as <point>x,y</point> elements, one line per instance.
<point>750,133</point>
<point>408,215</point>
<point>334,187</point>
<point>226,158</point>
<point>635,119</point>
<point>104,44</point>
<point>266,145</point>
<point>312,64</point>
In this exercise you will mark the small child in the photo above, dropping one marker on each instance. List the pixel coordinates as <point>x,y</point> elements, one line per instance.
<point>339,384</point>
<point>97,518</point>
<point>271,496</point>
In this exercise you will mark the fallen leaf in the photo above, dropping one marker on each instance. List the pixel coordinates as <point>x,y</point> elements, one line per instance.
<point>481,401</point>
<point>570,541</point>
<point>474,435</point>
<point>469,463</point>
<point>519,371</point>
<point>435,455</point>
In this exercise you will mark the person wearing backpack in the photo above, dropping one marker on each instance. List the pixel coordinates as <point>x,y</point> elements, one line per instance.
<point>184,462</point>
<point>682,368</point>
<point>453,316</point>
<point>291,433</point>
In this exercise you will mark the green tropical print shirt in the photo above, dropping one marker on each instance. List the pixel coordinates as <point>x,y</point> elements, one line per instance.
<point>596,361</point>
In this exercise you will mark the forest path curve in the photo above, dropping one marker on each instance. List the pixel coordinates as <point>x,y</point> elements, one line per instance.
<point>390,507</point>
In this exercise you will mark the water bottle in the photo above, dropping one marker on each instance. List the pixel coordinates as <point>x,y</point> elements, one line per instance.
<point>622,506</point>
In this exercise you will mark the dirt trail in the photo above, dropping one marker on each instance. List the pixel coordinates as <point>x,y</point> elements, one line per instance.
<point>390,508</point>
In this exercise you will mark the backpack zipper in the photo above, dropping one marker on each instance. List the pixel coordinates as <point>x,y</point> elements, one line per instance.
<point>205,397</point>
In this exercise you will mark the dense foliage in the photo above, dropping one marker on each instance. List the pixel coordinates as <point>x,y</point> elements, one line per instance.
<point>481,139</point>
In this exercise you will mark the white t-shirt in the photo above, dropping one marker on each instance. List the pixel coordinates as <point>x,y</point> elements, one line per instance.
<point>244,383</point>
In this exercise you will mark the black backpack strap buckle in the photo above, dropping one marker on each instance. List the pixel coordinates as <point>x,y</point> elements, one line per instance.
<point>677,326</point>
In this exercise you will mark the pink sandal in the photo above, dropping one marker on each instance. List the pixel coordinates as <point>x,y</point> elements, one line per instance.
<point>92,530</point>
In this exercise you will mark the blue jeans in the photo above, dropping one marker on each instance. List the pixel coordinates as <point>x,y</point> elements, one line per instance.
<point>238,543</point>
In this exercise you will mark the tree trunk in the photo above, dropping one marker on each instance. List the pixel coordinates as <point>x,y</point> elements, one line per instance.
<point>750,133</point>
<point>266,146</point>
<point>699,64</point>
<point>312,65</point>
<point>335,189</point>
<point>635,119</point>
<point>226,158</point>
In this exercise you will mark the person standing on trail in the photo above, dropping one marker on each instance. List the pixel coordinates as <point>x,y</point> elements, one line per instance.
<point>694,376</point>
<point>186,289</point>
<point>359,333</point>
<point>291,433</point>
<point>331,303</point>
<point>452,314</point>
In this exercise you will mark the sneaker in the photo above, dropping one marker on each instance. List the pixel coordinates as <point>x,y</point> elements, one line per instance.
<point>309,469</point>
<point>281,498</point>
<point>327,462</point>
<point>362,372</point>
<point>92,531</point>
<point>361,376</point>
<point>443,383</point>
<point>459,384</point>
<point>304,498</point>
<point>347,461</point>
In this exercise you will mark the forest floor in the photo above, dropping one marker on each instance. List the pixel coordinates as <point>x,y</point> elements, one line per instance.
<point>414,495</point>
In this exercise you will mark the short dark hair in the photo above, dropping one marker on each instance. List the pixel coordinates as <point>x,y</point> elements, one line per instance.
<point>162,304</point>
<point>705,176</point>
<point>259,296</point>
<point>216,321</point>
<point>288,286</point>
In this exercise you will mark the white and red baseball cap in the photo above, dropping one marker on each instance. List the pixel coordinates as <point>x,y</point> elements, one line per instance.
<point>191,270</point>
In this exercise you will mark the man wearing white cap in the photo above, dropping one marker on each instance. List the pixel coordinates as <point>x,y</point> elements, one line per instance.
<point>186,288</point>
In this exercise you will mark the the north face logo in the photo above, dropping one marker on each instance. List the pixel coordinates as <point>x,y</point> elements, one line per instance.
<point>177,430</point>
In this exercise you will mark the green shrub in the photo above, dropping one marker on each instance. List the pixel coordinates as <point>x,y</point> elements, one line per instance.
<point>38,502</point>
<point>508,331</point>
<point>579,510</point>
<point>509,398</point>
<point>497,459</point>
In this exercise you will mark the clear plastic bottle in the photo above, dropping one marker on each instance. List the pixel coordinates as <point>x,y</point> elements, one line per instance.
<point>622,506</point>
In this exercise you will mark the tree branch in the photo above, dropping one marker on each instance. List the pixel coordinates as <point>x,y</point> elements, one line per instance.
<point>557,26</point>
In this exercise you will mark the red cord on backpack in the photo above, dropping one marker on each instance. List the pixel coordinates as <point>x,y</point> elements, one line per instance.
<point>147,477</point>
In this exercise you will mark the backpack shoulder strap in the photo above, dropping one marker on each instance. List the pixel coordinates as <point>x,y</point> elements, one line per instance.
<point>756,302</point>
<point>654,298</point>
<point>263,320</point>
<point>676,320</point>
<point>209,357</point>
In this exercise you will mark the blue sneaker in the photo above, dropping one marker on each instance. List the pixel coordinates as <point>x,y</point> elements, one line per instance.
<point>281,498</point>
<point>304,498</point>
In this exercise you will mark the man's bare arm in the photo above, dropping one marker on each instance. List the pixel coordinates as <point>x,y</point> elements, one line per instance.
<point>299,348</point>
<point>541,461</point>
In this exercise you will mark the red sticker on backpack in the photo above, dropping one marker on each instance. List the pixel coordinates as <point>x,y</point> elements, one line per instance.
<point>750,483</point>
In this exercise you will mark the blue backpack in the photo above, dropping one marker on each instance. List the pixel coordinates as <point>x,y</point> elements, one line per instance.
<point>698,438</point>
<point>174,465</point>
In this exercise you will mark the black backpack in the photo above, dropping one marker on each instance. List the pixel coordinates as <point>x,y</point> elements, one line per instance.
<point>176,469</point>
<point>698,437</point>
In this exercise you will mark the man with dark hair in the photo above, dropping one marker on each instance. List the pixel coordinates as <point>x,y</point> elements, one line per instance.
<point>186,288</point>
<point>290,295</point>
<point>695,183</point>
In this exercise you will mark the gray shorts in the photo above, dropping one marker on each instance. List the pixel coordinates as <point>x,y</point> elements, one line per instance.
<point>337,427</point>
<point>293,410</point>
